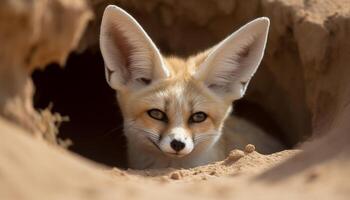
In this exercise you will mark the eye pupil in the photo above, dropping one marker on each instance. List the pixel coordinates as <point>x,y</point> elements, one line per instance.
<point>198,117</point>
<point>157,114</point>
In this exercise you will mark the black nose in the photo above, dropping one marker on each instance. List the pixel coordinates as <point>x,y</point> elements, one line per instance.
<point>177,145</point>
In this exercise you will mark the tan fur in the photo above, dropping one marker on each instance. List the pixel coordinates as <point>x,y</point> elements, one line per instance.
<point>176,89</point>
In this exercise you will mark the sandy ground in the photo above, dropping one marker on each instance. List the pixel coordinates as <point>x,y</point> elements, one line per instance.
<point>238,163</point>
<point>33,169</point>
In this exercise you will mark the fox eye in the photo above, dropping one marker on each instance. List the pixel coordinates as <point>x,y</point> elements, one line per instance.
<point>198,117</point>
<point>157,114</point>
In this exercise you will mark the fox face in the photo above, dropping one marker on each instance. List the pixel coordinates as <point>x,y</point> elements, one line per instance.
<point>174,109</point>
<point>174,116</point>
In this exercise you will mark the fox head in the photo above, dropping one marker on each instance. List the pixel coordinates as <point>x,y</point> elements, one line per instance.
<point>174,106</point>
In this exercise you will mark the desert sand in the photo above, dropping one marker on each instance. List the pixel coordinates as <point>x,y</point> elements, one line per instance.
<point>307,61</point>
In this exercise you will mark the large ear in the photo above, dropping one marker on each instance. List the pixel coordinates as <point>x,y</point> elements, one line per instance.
<point>230,65</point>
<point>131,58</point>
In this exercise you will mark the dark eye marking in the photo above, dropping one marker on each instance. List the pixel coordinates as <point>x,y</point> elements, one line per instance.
<point>198,117</point>
<point>157,114</point>
<point>144,81</point>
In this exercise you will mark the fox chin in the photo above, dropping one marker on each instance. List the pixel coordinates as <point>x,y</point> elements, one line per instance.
<point>175,109</point>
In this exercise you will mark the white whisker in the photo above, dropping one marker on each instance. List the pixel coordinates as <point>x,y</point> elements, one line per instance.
<point>150,133</point>
<point>205,137</point>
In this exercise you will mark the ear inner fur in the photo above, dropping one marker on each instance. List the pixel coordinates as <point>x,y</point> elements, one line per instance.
<point>128,52</point>
<point>235,59</point>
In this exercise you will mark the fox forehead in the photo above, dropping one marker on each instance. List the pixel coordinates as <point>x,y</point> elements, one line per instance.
<point>175,93</point>
<point>185,67</point>
<point>178,95</point>
<point>180,87</point>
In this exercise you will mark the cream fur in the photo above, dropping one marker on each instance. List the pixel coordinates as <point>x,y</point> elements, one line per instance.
<point>207,82</point>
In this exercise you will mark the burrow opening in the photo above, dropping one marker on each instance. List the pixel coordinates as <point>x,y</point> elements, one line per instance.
<point>95,127</point>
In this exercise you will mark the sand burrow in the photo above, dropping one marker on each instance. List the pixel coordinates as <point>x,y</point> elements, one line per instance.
<point>302,87</point>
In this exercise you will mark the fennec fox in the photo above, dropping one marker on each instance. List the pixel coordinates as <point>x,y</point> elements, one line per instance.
<point>174,109</point>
